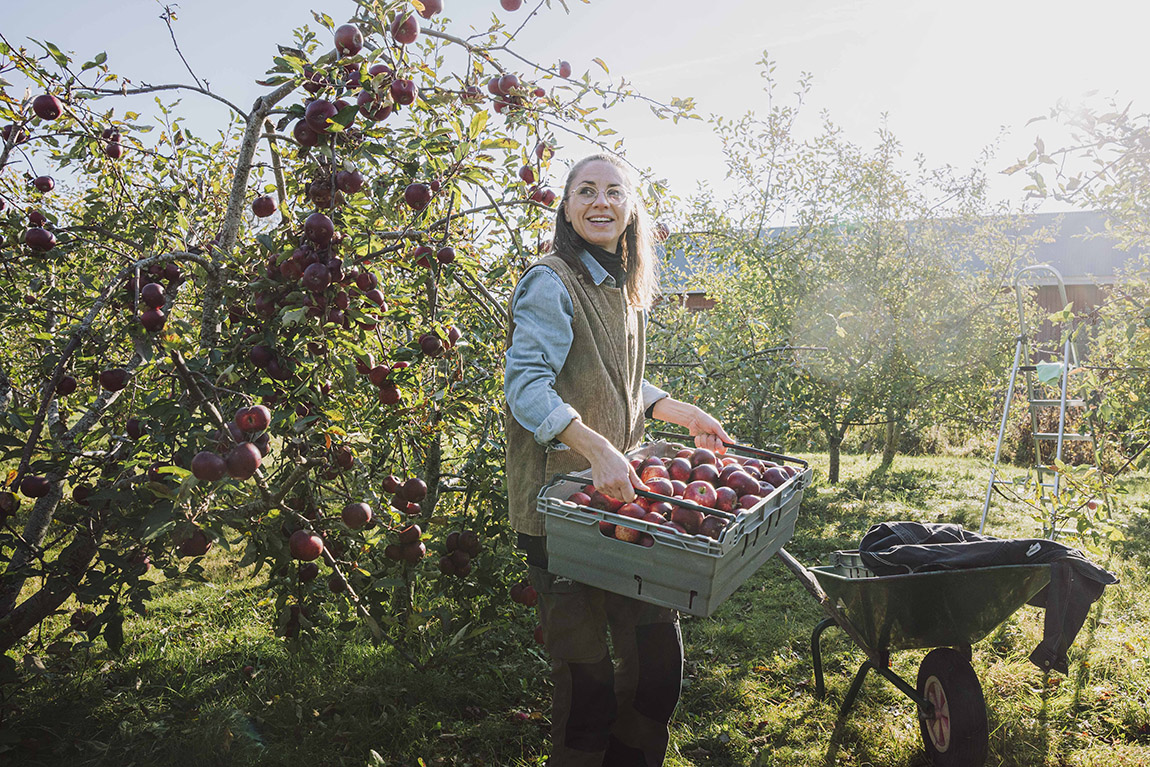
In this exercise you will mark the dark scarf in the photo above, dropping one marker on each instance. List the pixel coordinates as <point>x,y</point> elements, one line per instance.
<point>612,262</point>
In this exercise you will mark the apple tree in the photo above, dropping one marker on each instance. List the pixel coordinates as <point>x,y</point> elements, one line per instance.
<point>284,340</point>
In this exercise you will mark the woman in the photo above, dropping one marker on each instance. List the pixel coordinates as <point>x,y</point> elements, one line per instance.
<point>576,397</point>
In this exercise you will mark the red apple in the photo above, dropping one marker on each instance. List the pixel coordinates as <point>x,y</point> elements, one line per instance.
<point>47,107</point>
<point>749,501</point>
<point>348,40</point>
<point>356,515</point>
<point>604,502</point>
<point>349,181</point>
<point>660,485</point>
<point>403,91</point>
<point>35,486</point>
<point>208,466</point>
<point>153,320</point>
<point>417,196</point>
<point>705,472</point>
<point>195,544</point>
<point>305,545</point>
<point>712,526</point>
<point>415,489</point>
<point>688,518</point>
<point>264,206</point>
<point>679,468</point>
<point>579,498</point>
<point>564,69</point>
<point>703,455</point>
<point>254,418</point>
<point>776,476</point>
<point>114,379</point>
<point>655,518</point>
<point>725,498</point>
<point>243,460</point>
<point>152,294</point>
<point>319,229</point>
<point>39,239</point>
<point>405,28</point>
<point>318,113</point>
<point>701,493</point>
<point>742,482</point>
<point>653,472</point>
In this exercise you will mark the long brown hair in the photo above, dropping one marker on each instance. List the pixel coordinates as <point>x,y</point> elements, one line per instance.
<point>636,246</point>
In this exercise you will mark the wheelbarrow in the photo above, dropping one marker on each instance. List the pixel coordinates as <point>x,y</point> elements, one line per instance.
<point>946,610</point>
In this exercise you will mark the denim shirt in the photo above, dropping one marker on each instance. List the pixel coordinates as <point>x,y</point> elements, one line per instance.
<point>544,314</point>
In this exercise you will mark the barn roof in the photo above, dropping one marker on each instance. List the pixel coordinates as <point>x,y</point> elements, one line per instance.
<point>1078,247</point>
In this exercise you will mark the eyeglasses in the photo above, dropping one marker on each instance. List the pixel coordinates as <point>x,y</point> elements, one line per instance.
<point>587,194</point>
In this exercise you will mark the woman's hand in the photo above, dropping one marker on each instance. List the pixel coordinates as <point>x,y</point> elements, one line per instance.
<point>613,475</point>
<point>706,429</point>
<point>708,432</point>
<point>611,472</point>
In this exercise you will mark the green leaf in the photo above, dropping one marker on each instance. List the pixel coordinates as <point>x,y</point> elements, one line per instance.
<point>293,316</point>
<point>1048,372</point>
<point>158,521</point>
<point>56,54</point>
<point>599,61</point>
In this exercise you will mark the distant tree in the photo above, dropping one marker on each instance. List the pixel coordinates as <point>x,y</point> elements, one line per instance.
<point>889,278</point>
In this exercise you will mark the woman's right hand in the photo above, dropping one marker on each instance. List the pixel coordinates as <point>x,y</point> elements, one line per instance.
<point>613,475</point>
<point>611,472</point>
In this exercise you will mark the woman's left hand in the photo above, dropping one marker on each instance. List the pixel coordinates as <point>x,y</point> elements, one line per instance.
<point>707,431</point>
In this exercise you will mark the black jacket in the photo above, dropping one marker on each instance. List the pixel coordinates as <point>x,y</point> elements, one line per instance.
<point>894,548</point>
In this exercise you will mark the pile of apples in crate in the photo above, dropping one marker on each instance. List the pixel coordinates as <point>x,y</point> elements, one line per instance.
<point>730,485</point>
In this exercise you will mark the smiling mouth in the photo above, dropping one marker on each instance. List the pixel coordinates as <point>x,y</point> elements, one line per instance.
<point>600,220</point>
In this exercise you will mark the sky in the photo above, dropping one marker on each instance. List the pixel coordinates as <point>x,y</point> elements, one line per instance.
<point>950,79</point>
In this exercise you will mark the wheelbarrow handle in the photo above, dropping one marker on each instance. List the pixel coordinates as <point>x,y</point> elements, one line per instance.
<point>741,448</point>
<point>829,607</point>
<point>656,497</point>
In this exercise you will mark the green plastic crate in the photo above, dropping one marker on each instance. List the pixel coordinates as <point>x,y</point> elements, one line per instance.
<point>692,574</point>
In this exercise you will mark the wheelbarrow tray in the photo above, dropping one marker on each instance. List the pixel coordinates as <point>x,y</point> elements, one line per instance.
<point>942,608</point>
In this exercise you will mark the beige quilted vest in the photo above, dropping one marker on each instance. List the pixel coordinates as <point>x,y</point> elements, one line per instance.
<point>602,379</point>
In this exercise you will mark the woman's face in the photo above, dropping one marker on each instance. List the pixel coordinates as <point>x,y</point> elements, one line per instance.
<point>598,205</point>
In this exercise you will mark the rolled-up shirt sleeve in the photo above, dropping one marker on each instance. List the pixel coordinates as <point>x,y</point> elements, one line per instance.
<point>539,346</point>
<point>651,395</point>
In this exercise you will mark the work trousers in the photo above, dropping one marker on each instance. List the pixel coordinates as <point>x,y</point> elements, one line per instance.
<point>604,713</point>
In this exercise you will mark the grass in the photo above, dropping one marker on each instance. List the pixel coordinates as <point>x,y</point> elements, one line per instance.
<point>178,694</point>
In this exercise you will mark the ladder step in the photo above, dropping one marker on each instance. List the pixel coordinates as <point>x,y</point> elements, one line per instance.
<point>1067,437</point>
<point>1056,403</point>
<point>1008,482</point>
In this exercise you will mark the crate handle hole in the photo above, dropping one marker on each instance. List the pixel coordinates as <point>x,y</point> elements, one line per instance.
<point>639,579</point>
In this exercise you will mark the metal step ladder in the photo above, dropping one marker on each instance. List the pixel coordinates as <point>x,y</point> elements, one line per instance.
<point>1028,360</point>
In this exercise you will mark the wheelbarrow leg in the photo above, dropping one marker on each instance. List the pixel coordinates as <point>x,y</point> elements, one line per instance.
<point>856,685</point>
<point>817,655</point>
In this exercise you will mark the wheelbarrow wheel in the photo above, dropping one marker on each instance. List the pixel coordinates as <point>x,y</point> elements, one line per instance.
<point>956,735</point>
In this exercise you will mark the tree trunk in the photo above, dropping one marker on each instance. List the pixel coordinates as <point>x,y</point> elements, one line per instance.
<point>834,447</point>
<point>73,563</point>
<point>34,532</point>
<point>890,442</point>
